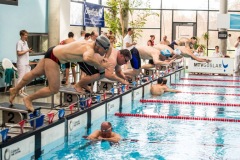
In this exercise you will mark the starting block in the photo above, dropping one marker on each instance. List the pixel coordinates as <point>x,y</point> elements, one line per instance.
<point>14,113</point>
<point>149,72</point>
<point>105,85</point>
<point>70,95</point>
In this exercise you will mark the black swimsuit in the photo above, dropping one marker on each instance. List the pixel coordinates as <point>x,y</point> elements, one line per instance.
<point>49,54</point>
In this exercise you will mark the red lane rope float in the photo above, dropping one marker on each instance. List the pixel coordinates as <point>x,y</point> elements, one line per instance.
<point>203,85</point>
<point>221,94</point>
<point>187,102</point>
<point>203,79</point>
<point>177,117</point>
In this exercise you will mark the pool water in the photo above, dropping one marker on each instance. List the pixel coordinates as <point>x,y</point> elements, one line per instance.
<point>149,138</point>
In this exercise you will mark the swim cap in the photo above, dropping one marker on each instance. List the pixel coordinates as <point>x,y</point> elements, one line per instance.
<point>165,52</point>
<point>103,41</point>
<point>177,51</point>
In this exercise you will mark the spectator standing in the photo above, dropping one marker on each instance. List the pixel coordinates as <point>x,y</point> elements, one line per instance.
<point>165,41</point>
<point>127,41</point>
<point>151,40</point>
<point>23,50</point>
<point>82,35</point>
<point>217,53</point>
<point>94,36</point>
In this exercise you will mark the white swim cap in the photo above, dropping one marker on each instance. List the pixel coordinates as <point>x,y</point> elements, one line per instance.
<point>103,41</point>
<point>177,51</point>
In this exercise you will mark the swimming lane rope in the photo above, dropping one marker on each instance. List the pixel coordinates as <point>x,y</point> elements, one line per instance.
<point>205,79</point>
<point>220,94</point>
<point>203,85</point>
<point>188,102</point>
<point>177,117</point>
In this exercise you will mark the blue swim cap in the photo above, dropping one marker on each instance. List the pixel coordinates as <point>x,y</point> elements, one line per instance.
<point>165,52</point>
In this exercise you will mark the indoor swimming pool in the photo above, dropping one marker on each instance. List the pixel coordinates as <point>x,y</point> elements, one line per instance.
<point>157,138</point>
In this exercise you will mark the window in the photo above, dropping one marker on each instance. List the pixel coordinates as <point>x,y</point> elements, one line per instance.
<point>38,42</point>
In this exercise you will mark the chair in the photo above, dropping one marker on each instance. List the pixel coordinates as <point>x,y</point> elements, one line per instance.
<point>9,72</point>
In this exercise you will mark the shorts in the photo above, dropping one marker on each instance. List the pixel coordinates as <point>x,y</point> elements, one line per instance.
<point>88,69</point>
<point>136,60</point>
<point>172,44</point>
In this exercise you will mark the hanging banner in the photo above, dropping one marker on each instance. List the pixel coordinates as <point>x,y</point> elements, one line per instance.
<point>93,15</point>
<point>234,21</point>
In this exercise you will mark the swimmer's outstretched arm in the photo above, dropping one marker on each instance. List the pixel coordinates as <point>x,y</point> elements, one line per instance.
<point>198,59</point>
<point>173,90</point>
<point>115,138</point>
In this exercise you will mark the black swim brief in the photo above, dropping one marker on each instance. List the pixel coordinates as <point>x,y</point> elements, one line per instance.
<point>88,69</point>
<point>150,61</point>
<point>172,44</point>
<point>49,54</point>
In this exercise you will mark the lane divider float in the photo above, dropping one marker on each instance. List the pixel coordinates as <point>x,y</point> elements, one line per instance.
<point>203,85</point>
<point>188,102</point>
<point>205,79</point>
<point>177,117</point>
<point>220,94</point>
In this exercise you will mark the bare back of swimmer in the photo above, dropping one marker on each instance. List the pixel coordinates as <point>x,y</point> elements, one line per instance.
<point>145,53</point>
<point>50,65</point>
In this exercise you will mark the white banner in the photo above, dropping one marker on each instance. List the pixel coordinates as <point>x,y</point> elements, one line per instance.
<point>217,65</point>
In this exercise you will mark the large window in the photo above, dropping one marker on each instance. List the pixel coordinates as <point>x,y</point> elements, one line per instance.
<point>153,21</point>
<point>38,42</point>
<point>185,4</point>
<point>202,13</point>
<point>76,13</point>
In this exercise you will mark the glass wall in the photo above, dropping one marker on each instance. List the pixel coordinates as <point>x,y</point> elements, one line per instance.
<point>202,13</point>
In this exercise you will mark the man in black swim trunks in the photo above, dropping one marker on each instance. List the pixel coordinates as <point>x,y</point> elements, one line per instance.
<point>49,66</point>
<point>112,72</point>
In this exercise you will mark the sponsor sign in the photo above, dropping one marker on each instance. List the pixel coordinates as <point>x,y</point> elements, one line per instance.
<point>168,80</point>
<point>93,15</point>
<point>137,94</point>
<point>22,149</point>
<point>77,122</point>
<point>218,65</point>
<point>113,106</point>
<point>147,89</point>
<point>54,134</point>
<point>126,99</point>
<point>97,113</point>
<point>173,77</point>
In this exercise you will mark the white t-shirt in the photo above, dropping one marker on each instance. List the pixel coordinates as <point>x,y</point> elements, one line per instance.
<point>23,59</point>
<point>217,55</point>
<point>127,39</point>
<point>81,38</point>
